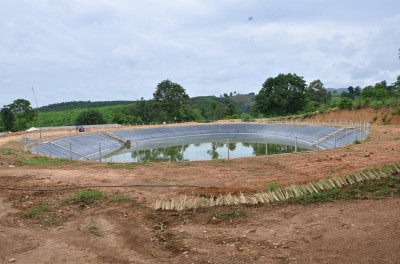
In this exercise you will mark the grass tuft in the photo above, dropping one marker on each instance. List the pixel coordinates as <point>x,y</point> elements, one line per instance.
<point>272,187</point>
<point>120,198</point>
<point>90,196</point>
<point>36,211</point>
<point>43,213</point>
<point>87,196</point>
<point>93,229</point>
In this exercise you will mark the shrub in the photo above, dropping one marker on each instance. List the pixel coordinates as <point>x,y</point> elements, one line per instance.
<point>376,104</point>
<point>345,103</point>
<point>245,117</point>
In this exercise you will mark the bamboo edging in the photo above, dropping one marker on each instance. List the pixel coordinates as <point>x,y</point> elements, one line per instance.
<point>280,194</point>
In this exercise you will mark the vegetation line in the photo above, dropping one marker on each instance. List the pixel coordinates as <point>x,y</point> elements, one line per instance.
<point>278,194</point>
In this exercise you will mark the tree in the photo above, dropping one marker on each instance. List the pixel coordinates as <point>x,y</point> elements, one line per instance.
<point>357,91</point>
<point>329,96</point>
<point>344,94</point>
<point>90,117</point>
<point>352,93</point>
<point>345,103</point>
<point>231,110</point>
<point>282,95</point>
<point>169,97</point>
<point>218,111</point>
<point>377,92</point>
<point>317,91</point>
<point>143,110</point>
<point>16,115</point>
<point>8,118</point>
<point>396,85</point>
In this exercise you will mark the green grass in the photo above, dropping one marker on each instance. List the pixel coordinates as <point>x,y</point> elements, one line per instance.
<point>233,213</point>
<point>44,161</point>
<point>357,142</point>
<point>90,196</point>
<point>35,211</point>
<point>85,197</point>
<point>43,213</point>
<point>120,198</point>
<point>372,189</point>
<point>273,186</point>
<point>93,229</point>
<point>129,166</point>
<point>84,164</point>
<point>236,212</point>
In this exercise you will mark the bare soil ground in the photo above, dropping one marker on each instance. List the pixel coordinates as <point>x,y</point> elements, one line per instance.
<point>354,231</point>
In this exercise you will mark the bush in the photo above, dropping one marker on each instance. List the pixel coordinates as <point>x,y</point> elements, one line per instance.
<point>245,117</point>
<point>311,107</point>
<point>345,103</point>
<point>377,104</point>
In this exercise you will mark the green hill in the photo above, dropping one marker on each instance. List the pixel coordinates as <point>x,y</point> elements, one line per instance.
<point>80,105</point>
<point>65,113</point>
<point>247,99</point>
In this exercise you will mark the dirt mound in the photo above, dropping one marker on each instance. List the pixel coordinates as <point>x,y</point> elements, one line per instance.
<point>387,116</point>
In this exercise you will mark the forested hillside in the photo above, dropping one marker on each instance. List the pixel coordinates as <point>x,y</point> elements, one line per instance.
<point>131,112</point>
<point>80,105</point>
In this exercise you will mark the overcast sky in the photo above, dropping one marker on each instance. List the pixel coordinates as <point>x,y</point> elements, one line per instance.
<point>102,50</point>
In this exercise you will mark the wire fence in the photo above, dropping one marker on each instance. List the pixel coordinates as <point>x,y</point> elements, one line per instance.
<point>96,143</point>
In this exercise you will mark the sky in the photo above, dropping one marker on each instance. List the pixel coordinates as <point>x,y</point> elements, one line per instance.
<point>99,50</point>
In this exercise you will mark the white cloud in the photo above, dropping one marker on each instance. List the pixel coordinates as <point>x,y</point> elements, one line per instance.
<point>100,49</point>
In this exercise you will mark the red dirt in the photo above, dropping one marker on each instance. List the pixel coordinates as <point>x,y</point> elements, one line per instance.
<point>361,231</point>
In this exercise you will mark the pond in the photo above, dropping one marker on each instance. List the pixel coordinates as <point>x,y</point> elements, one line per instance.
<point>184,149</point>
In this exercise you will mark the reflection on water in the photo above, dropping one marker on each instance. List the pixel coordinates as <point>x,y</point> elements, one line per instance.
<point>200,151</point>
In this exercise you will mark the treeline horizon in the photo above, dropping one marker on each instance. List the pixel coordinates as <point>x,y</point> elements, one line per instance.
<point>283,95</point>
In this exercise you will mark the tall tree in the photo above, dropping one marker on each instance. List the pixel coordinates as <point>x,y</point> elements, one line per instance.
<point>231,110</point>
<point>18,114</point>
<point>317,91</point>
<point>282,95</point>
<point>352,92</point>
<point>8,118</point>
<point>357,91</point>
<point>169,97</point>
